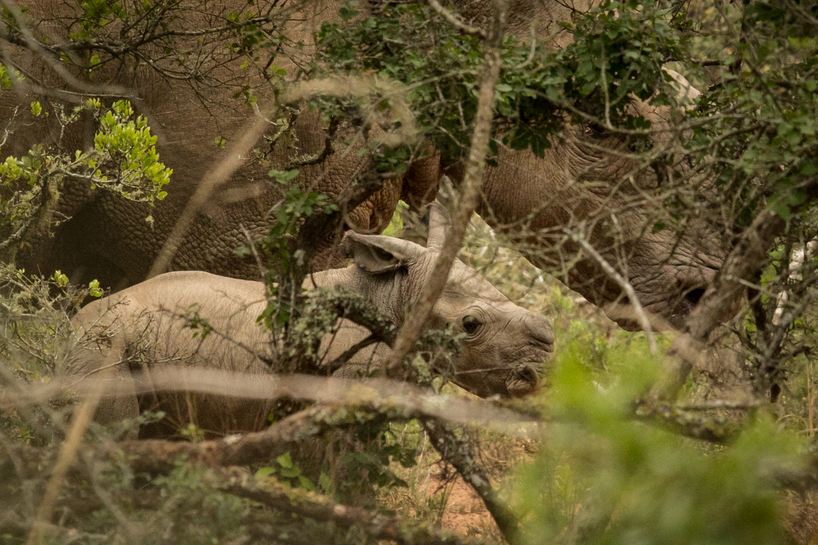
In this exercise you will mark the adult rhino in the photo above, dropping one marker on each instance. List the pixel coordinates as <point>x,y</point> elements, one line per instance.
<point>587,179</point>
<point>143,327</point>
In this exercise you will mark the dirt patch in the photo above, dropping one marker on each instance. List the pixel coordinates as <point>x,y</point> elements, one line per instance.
<point>464,512</point>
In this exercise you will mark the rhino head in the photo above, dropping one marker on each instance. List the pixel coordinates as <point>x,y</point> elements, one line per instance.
<point>504,345</point>
<point>591,183</point>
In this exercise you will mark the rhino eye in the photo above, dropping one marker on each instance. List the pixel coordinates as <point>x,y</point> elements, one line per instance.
<point>593,129</point>
<point>471,324</point>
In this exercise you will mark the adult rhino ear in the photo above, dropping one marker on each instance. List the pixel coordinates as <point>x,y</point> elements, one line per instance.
<point>378,254</point>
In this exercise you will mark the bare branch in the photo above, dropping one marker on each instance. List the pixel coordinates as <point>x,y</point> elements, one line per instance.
<point>644,321</point>
<point>156,456</point>
<point>719,300</point>
<point>375,392</point>
<point>460,454</point>
<point>68,453</point>
<point>716,429</point>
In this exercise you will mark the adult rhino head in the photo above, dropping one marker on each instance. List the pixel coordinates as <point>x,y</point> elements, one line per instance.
<point>592,184</point>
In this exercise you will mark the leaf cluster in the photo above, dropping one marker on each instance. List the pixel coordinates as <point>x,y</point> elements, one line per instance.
<point>605,478</point>
<point>618,54</point>
<point>759,123</point>
<point>123,161</point>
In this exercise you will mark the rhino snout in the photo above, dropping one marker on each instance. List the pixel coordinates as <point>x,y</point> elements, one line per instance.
<point>540,330</point>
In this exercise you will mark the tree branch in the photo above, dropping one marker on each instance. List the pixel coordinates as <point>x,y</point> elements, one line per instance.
<point>644,321</point>
<point>460,454</point>
<point>713,429</point>
<point>456,21</point>
<point>469,198</point>
<point>311,505</point>
<point>156,456</point>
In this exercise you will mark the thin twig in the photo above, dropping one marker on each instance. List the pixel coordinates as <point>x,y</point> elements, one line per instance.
<point>644,321</point>
<point>721,404</point>
<point>68,452</point>
<point>313,506</point>
<point>456,21</point>
<point>718,300</point>
<point>461,455</point>
<point>212,180</point>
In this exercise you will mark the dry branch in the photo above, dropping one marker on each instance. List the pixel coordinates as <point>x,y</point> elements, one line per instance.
<point>68,452</point>
<point>644,321</point>
<point>713,429</point>
<point>377,393</point>
<point>456,21</point>
<point>159,457</point>
<point>460,455</point>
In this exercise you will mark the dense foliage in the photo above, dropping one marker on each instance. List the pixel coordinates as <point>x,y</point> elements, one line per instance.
<point>612,59</point>
<point>612,466</point>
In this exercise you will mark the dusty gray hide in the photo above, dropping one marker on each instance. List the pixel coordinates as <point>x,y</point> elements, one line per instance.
<point>144,327</point>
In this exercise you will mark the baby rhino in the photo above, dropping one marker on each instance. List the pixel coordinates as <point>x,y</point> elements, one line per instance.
<point>143,327</point>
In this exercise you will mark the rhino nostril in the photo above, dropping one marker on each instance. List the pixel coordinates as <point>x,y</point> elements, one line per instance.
<point>527,374</point>
<point>694,296</point>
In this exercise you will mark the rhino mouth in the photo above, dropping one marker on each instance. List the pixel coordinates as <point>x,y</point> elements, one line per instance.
<point>661,319</point>
<point>524,379</point>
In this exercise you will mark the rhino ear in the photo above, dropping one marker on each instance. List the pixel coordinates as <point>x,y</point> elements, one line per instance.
<point>378,254</point>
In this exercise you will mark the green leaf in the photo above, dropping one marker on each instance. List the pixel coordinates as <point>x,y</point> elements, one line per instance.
<point>289,472</point>
<point>94,290</point>
<point>283,177</point>
<point>285,460</point>
<point>265,472</point>
<point>60,279</point>
<point>306,484</point>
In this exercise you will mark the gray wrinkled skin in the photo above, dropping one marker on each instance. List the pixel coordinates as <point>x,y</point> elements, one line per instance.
<point>107,237</point>
<point>143,327</point>
<point>593,184</point>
